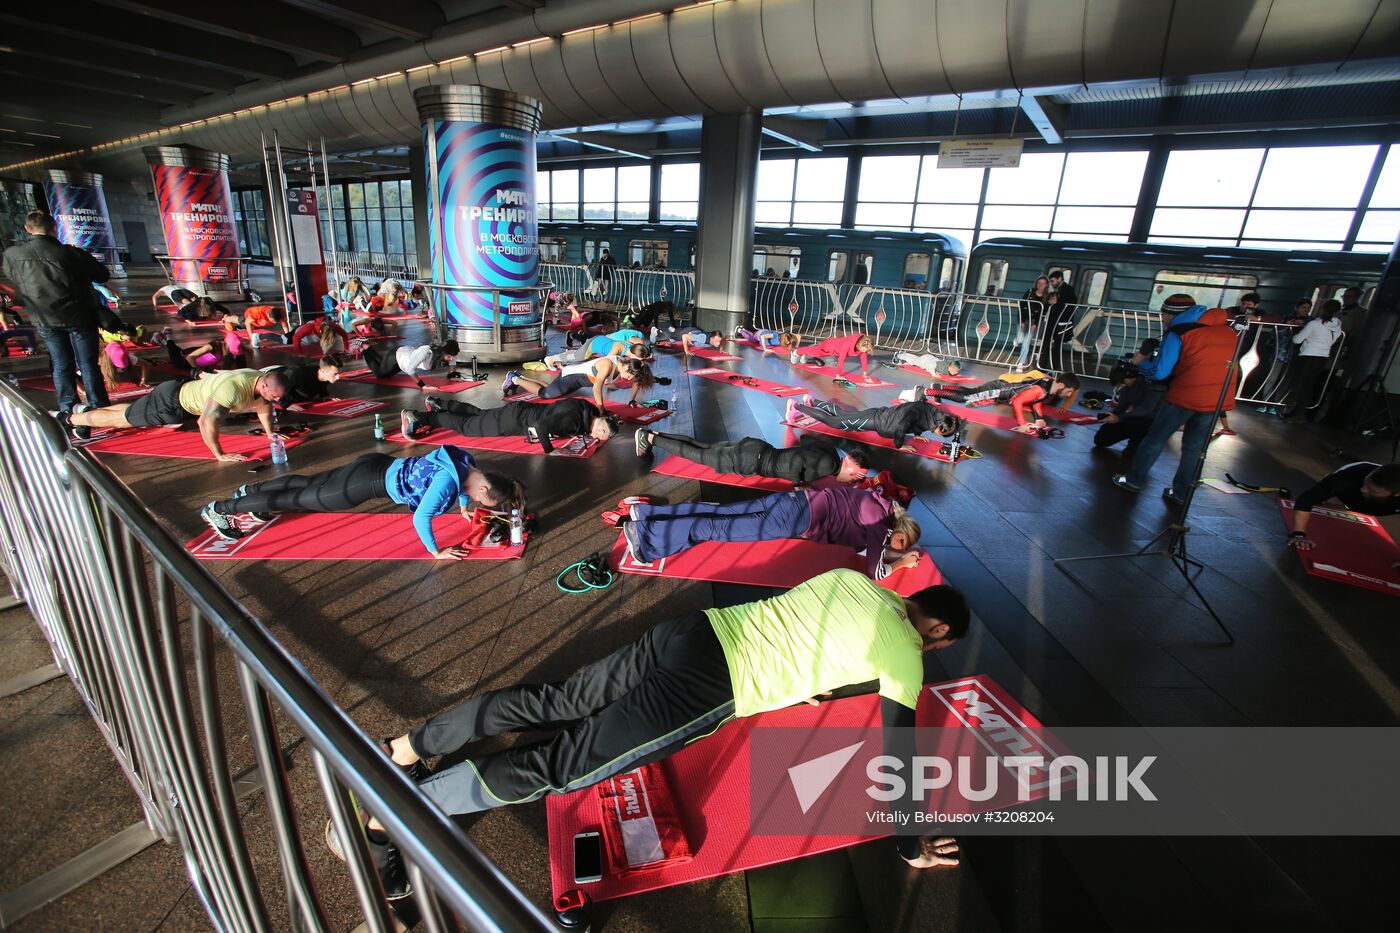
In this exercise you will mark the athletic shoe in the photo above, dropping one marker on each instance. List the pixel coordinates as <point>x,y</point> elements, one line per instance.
<point>75,431</point>
<point>259,518</point>
<point>642,440</point>
<point>791,414</point>
<point>1078,346</point>
<point>224,525</point>
<point>385,855</point>
<point>408,424</point>
<point>435,403</point>
<point>1121,481</point>
<point>1172,497</point>
<point>509,381</point>
<point>808,399</point>
<point>416,772</point>
<point>632,535</point>
<point>626,503</point>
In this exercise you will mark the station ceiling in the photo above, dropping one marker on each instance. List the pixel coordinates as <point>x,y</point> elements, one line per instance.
<point>86,83</point>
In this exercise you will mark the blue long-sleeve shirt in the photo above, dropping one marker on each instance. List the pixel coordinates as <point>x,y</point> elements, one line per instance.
<point>1160,367</point>
<point>430,486</point>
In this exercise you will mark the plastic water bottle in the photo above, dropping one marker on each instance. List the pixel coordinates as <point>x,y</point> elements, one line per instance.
<point>378,428</point>
<point>954,449</point>
<point>517,529</point>
<point>674,398</point>
<point>279,450</point>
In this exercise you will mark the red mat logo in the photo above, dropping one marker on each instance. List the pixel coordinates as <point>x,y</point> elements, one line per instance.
<point>357,408</point>
<point>996,727</point>
<point>211,545</point>
<point>631,564</point>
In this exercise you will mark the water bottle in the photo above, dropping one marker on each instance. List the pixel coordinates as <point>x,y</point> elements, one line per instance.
<point>674,398</point>
<point>378,428</point>
<point>953,449</point>
<point>517,529</point>
<point>279,450</point>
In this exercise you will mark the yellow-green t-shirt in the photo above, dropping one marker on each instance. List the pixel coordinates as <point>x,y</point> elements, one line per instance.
<point>835,630</point>
<point>234,390</point>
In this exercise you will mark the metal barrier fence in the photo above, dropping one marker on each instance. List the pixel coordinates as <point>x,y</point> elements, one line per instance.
<point>140,628</point>
<point>1268,367</point>
<point>374,267</point>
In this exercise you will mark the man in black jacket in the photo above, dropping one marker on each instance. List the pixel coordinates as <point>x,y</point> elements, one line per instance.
<point>570,417</point>
<point>892,422</point>
<point>55,282</point>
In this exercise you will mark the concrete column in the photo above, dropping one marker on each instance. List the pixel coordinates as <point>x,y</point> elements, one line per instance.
<point>724,251</point>
<point>418,186</point>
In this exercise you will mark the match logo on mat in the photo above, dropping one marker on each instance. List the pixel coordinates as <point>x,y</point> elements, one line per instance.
<point>630,564</point>
<point>210,544</point>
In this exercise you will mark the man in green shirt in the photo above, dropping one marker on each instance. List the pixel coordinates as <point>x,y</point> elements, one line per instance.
<point>683,680</point>
<point>208,398</point>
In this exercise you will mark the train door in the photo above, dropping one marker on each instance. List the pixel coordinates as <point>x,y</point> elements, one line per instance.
<point>991,277</point>
<point>1093,287</point>
<point>554,249</point>
<point>949,274</point>
<point>649,254</point>
<point>847,266</point>
<point>916,271</point>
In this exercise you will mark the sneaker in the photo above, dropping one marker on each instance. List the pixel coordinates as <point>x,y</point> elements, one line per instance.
<point>408,424</point>
<point>509,381</point>
<point>632,535</point>
<point>435,403</point>
<point>416,772</point>
<point>1170,495</point>
<point>224,525</point>
<point>385,855</point>
<point>808,399</point>
<point>1121,481</point>
<point>642,440</point>
<point>259,518</point>
<point>75,431</point>
<point>791,414</point>
<point>624,504</point>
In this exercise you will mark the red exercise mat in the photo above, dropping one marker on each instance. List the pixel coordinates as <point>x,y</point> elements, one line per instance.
<point>349,536</point>
<point>760,385</point>
<point>636,414</point>
<point>338,407</point>
<point>784,562</point>
<point>705,353</point>
<point>855,378</point>
<point>174,444</point>
<point>711,780</point>
<point>122,391</point>
<point>1351,548</point>
<point>581,447</point>
<point>1069,417</point>
<point>199,324</point>
<point>436,383</point>
<point>979,415</point>
<point>921,446</point>
<point>958,380</point>
<point>689,469</point>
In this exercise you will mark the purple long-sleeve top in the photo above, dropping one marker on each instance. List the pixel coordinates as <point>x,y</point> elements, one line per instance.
<point>857,518</point>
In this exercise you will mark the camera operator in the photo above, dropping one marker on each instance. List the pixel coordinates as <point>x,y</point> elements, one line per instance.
<point>1135,400</point>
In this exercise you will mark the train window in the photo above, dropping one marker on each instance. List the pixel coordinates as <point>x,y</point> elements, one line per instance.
<point>861,268</point>
<point>777,261</point>
<point>1066,271</point>
<point>1096,286</point>
<point>1212,289</point>
<point>991,278</point>
<point>692,257</point>
<point>592,249</point>
<point>652,254</point>
<point>949,274</point>
<point>916,266</point>
<point>1326,290</point>
<point>836,265</point>
<point>553,249</point>
<point>864,269</point>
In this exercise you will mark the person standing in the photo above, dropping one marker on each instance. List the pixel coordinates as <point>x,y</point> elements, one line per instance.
<point>1314,342</point>
<point>56,282</point>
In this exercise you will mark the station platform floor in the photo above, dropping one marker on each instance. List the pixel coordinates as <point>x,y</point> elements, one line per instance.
<point>1117,643</point>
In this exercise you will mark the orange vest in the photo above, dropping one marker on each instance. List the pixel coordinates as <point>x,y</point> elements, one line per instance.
<point>1206,352</point>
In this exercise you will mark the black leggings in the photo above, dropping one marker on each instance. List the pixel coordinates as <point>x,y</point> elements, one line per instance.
<point>380,363</point>
<point>741,457</point>
<point>637,705</point>
<point>1308,375</point>
<point>338,490</point>
<point>845,419</point>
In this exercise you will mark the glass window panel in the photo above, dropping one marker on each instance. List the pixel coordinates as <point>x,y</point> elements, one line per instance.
<point>598,211</point>
<point>1371,248</point>
<point>1191,241</point>
<point>1035,181</point>
<point>816,214</point>
<point>393,234</point>
<point>632,210</point>
<point>1210,177</point>
<point>1212,289</point>
<point>371,194</point>
<point>634,183</point>
<point>357,194</point>
<point>376,238</point>
<point>836,266</point>
<point>1102,178</point>
<point>1380,226</point>
<point>985,234</point>
<point>961,233</point>
<point>1094,237</point>
<point>821,180</point>
<point>679,210</point>
<point>946,215</point>
<point>884,216</point>
<point>1289,244</point>
<point>542,192</point>
<point>1017,217</point>
<point>410,242</point>
<point>406,193</point>
<point>775,180</point>
<point>680,181</point>
<point>1309,225</point>
<point>390,194</point>
<point>599,184</point>
<point>1387,190</point>
<point>361,233</point>
<point>888,178</point>
<point>1314,176</point>
<point>776,213</point>
<point>1196,222</point>
<point>916,266</point>
<point>1098,284</point>
<point>957,185</point>
<point>564,211</point>
<point>1093,219</point>
<point>563,186</point>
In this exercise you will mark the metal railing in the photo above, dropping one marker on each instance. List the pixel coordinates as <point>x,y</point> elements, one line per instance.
<point>621,289</point>
<point>1268,366</point>
<point>113,591</point>
<point>374,267</point>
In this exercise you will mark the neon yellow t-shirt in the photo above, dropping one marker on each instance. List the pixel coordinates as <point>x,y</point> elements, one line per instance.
<point>234,390</point>
<point>835,630</point>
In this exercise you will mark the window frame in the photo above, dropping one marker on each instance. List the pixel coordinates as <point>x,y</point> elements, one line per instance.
<point>1154,302</point>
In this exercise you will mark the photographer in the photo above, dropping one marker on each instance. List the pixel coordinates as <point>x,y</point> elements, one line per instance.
<point>1135,402</point>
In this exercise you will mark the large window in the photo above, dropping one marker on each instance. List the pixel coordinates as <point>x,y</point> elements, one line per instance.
<point>250,217</point>
<point>801,192</point>
<point>680,191</point>
<point>380,216</point>
<point>598,194</point>
<point>776,260</point>
<point>1286,198</point>
<point>1381,223</point>
<point>1212,289</point>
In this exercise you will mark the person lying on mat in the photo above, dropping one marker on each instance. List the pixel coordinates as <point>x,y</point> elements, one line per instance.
<point>601,373</point>
<point>933,365</point>
<point>208,399</point>
<point>894,423</point>
<point>177,295</point>
<point>570,417</point>
<point>864,521</point>
<point>1365,487</point>
<point>321,333</point>
<point>256,320</point>
<point>812,459</point>
<point>430,486</point>
<point>413,361</point>
<point>307,383</point>
<point>695,337</point>
<point>1030,389</point>
<point>121,363</point>
<point>841,347</point>
<point>681,681</point>
<point>769,341</point>
<point>619,343</point>
<point>218,354</point>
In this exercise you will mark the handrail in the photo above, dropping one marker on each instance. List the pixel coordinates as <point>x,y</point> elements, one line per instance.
<point>114,626</point>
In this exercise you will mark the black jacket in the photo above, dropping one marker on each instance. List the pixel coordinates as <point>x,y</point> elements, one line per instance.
<point>55,282</point>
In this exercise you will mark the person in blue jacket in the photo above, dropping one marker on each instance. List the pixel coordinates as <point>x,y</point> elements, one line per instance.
<point>430,486</point>
<point>1183,314</point>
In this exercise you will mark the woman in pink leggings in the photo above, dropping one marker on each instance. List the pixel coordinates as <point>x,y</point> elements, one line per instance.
<point>841,348</point>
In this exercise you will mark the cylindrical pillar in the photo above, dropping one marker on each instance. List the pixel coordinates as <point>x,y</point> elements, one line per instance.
<point>79,208</point>
<point>480,153</point>
<point>196,213</point>
<point>729,149</point>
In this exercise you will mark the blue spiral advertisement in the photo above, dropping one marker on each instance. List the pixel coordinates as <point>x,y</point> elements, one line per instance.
<point>80,211</point>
